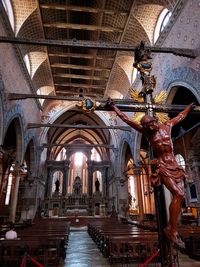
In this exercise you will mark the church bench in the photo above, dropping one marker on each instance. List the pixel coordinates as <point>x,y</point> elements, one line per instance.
<point>101,233</point>
<point>121,242</point>
<point>12,251</point>
<point>116,240</point>
<point>45,242</point>
<point>132,250</point>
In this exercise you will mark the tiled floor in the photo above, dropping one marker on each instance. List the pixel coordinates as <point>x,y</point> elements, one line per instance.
<point>82,252</point>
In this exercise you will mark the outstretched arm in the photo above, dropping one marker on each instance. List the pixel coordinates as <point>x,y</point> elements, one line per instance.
<point>181,115</point>
<point>123,116</point>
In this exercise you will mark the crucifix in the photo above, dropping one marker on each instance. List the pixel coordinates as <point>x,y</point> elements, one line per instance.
<point>164,167</point>
<point>165,170</point>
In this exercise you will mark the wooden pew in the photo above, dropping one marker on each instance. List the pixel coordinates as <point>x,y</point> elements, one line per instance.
<point>45,242</point>
<point>123,242</point>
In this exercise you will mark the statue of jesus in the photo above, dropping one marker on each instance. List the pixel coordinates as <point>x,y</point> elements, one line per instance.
<point>166,169</point>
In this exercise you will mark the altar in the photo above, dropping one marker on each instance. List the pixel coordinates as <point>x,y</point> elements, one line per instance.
<point>85,194</point>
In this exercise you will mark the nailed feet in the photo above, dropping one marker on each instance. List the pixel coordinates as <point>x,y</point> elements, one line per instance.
<point>174,237</point>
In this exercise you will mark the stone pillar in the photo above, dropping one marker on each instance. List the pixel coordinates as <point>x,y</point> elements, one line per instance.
<point>90,178</point>
<point>14,198</point>
<point>117,190</point>
<point>106,182</point>
<point>1,169</point>
<point>140,199</point>
<point>65,178</point>
<point>49,183</point>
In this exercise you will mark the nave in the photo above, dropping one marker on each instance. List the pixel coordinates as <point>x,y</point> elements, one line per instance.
<point>82,252</point>
<point>86,242</point>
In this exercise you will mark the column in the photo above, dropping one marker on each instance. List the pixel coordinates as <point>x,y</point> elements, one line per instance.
<point>49,183</point>
<point>65,178</point>
<point>90,178</point>
<point>139,191</point>
<point>106,182</point>
<point>14,199</point>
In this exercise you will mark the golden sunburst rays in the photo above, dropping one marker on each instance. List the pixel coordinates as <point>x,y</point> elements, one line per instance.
<point>136,96</point>
<point>159,98</point>
<point>162,117</point>
<point>138,116</point>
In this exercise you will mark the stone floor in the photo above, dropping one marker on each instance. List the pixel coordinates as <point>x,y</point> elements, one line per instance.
<point>82,252</point>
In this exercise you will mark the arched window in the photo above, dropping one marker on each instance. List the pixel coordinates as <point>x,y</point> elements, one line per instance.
<point>9,186</point>
<point>134,75</point>
<point>40,93</point>
<point>95,155</point>
<point>57,182</point>
<point>27,62</point>
<point>61,155</point>
<point>161,23</point>
<point>9,11</point>
<point>180,160</point>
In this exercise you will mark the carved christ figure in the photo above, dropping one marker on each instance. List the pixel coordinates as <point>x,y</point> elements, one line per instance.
<point>166,169</point>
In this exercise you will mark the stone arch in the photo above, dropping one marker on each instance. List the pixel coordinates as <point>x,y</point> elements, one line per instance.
<point>63,109</point>
<point>125,147</point>
<point>3,109</point>
<point>182,76</point>
<point>30,151</point>
<point>15,116</point>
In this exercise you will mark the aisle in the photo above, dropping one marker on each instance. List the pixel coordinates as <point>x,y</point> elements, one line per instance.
<point>82,252</point>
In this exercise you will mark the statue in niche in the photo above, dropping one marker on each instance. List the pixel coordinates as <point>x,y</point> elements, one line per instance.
<point>77,186</point>
<point>57,184</point>
<point>97,185</point>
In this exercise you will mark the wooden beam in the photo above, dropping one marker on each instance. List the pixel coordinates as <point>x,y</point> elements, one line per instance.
<point>127,105</point>
<point>78,145</point>
<point>80,85</point>
<point>70,93</point>
<point>77,67</point>
<point>83,9</point>
<point>191,53</point>
<point>72,26</point>
<point>69,126</point>
<point>79,55</point>
<point>76,76</point>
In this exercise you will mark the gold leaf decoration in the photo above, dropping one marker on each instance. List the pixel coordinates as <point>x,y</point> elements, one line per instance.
<point>162,117</point>
<point>160,97</point>
<point>135,95</point>
<point>138,116</point>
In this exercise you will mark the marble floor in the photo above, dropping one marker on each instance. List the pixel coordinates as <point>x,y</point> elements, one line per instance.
<point>82,252</point>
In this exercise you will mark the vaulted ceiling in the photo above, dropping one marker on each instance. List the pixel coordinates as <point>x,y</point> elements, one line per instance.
<point>73,71</point>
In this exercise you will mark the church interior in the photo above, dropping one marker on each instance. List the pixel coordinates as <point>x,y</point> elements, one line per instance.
<point>74,176</point>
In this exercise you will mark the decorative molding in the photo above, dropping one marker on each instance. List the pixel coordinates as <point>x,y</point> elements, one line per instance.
<point>3,111</point>
<point>182,75</point>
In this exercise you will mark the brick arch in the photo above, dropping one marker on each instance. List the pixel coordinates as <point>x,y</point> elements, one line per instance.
<point>119,80</point>
<point>22,12</point>
<point>45,79</point>
<point>135,33</point>
<point>147,14</point>
<point>16,113</point>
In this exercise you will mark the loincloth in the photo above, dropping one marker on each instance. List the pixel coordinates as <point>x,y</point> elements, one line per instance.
<point>159,171</point>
